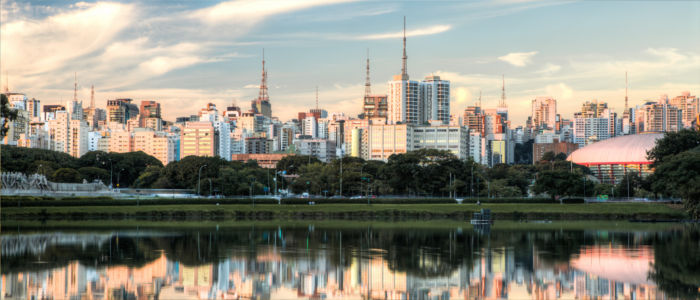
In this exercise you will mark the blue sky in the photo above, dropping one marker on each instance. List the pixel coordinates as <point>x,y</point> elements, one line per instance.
<point>187,53</point>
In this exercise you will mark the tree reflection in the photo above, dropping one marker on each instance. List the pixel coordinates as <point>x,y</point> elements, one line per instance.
<point>677,263</point>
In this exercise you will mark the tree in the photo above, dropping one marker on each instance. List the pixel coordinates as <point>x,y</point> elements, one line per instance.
<point>679,175</point>
<point>557,183</point>
<point>148,177</point>
<point>67,175</point>
<point>673,143</point>
<point>631,180</point>
<point>92,173</point>
<point>292,163</point>
<point>7,114</point>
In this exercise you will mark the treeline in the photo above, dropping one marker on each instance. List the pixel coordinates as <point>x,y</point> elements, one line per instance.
<point>425,173</point>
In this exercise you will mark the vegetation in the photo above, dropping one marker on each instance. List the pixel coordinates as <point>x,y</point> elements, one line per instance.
<point>7,115</point>
<point>426,173</point>
<point>537,211</point>
<point>676,158</point>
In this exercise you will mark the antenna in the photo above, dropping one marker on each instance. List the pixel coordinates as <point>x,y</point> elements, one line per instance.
<point>263,96</point>
<point>368,89</point>
<point>404,72</point>
<point>626,107</point>
<point>503,92</point>
<point>479,98</point>
<point>7,82</point>
<point>317,98</point>
<point>75,88</point>
<point>92,96</point>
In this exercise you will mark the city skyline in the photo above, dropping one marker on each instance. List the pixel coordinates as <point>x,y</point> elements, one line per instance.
<point>141,51</point>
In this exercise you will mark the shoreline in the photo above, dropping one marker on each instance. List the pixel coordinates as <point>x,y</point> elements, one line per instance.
<point>380,212</point>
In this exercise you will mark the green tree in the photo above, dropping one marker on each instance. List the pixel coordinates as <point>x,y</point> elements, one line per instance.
<point>557,183</point>
<point>292,163</point>
<point>67,175</point>
<point>679,175</point>
<point>630,179</point>
<point>673,143</point>
<point>92,173</point>
<point>148,177</point>
<point>7,115</point>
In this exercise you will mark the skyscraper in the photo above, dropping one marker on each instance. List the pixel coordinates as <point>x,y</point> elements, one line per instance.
<point>404,94</point>
<point>544,113</point>
<point>435,99</point>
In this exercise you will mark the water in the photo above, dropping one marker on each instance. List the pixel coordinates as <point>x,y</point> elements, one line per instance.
<point>331,260</point>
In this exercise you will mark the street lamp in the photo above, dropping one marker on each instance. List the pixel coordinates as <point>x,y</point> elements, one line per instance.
<point>252,181</point>
<point>199,177</point>
<point>118,176</point>
<point>110,169</point>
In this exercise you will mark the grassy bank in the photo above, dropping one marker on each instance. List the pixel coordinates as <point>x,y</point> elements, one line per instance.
<point>536,211</point>
<point>25,226</point>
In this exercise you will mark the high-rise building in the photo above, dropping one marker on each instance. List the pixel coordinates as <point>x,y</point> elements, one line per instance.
<point>661,117</point>
<point>58,131</point>
<point>197,138</point>
<point>258,145</point>
<point>404,95</point>
<point>474,119</point>
<point>121,110</point>
<point>155,143</point>
<point>544,112</point>
<point>590,126</point>
<point>310,127</point>
<point>435,99</point>
<point>78,139</point>
<point>385,140</point>
<point>322,149</point>
<point>690,107</point>
<point>150,115</point>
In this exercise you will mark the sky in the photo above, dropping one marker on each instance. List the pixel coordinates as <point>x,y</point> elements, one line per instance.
<point>185,54</point>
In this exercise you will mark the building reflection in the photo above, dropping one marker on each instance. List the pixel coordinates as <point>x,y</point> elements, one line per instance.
<point>285,272</point>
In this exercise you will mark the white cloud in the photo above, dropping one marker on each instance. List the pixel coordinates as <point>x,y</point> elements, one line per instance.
<point>38,46</point>
<point>252,11</point>
<point>409,33</point>
<point>518,59</point>
<point>549,69</point>
<point>251,86</point>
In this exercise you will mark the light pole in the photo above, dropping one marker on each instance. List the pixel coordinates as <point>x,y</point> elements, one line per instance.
<point>252,181</point>
<point>341,172</point>
<point>110,169</point>
<point>210,187</point>
<point>119,174</point>
<point>199,177</point>
<point>361,178</point>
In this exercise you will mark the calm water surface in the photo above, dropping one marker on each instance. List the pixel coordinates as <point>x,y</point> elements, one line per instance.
<point>356,261</point>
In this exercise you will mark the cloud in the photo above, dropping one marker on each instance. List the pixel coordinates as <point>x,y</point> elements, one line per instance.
<point>549,69</point>
<point>252,11</point>
<point>518,59</point>
<point>39,46</point>
<point>559,91</point>
<point>251,86</point>
<point>409,33</point>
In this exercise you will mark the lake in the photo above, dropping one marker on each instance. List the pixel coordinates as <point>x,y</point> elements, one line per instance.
<point>349,260</point>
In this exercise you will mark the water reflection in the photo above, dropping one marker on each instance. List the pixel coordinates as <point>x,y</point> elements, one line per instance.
<point>326,263</point>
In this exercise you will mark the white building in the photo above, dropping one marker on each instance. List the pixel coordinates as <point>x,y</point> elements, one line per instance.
<point>435,99</point>
<point>441,137</point>
<point>310,127</point>
<point>385,140</point>
<point>589,129</point>
<point>322,149</point>
<point>403,101</point>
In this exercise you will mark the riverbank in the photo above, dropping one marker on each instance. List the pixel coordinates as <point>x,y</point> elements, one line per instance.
<point>392,212</point>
